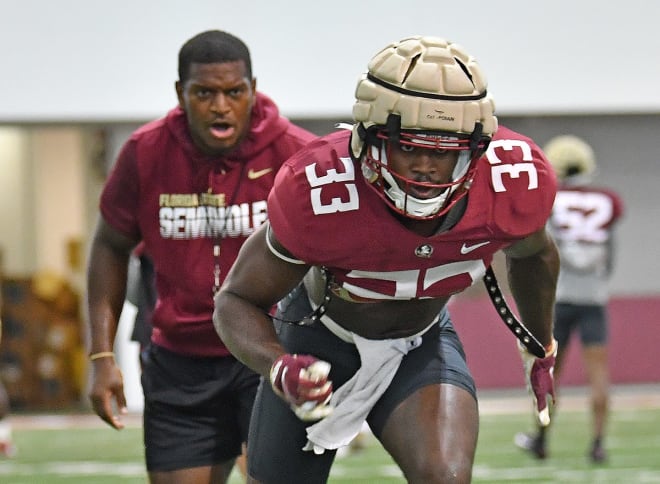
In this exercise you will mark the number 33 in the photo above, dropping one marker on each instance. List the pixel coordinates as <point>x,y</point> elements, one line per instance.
<point>498,169</point>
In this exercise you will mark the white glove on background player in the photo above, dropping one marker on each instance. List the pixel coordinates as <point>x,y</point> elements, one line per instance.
<point>302,381</point>
<point>540,380</point>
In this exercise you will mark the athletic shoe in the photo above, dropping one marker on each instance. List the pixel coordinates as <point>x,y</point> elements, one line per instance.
<point>598,454</point>
<point>535,445</point>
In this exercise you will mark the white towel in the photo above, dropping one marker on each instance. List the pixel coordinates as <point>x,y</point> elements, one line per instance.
<point>354,399</point>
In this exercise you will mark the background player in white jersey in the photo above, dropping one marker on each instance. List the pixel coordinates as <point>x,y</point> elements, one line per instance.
<point>371,230</point>
<point>582,223</point>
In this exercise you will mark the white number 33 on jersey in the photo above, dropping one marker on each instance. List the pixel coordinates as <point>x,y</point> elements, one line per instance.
<point>511,170</point>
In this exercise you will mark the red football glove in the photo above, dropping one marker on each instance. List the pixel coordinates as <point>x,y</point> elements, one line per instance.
<point>540,380</point>
<point>302,381</point>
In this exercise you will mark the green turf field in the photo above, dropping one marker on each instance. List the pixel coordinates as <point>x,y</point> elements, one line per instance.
<point>103,456</point>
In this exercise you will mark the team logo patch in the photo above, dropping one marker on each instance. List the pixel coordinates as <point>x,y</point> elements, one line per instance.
<point>424,251</point>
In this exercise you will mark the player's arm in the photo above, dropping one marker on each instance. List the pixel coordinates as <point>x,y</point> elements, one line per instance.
<point>106,290</point>
<point>256,281</point>
<point>533,267</point>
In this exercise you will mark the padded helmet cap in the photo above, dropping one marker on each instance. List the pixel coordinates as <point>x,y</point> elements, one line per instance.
<point>430,83</point>
<point>570,156</point>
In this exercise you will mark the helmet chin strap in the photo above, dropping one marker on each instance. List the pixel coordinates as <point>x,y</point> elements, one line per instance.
<point>417,207</point>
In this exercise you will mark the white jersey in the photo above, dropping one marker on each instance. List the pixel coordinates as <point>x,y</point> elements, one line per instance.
<point>582,223</point>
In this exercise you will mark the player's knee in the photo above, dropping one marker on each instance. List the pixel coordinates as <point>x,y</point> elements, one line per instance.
<point>430,472</point>
<point>599,395</point>
<point>599,403</point>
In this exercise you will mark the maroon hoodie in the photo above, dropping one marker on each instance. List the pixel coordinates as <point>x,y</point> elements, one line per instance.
<point>181,203</point>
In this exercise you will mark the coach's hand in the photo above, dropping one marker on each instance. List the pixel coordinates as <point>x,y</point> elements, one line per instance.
<point>108,385</point>
<point>302,381</point>
<point>540,380</point>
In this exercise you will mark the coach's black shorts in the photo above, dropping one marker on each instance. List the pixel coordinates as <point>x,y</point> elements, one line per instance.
<point>277,435</point>
<point>196,410</point>
<point>589,319</point>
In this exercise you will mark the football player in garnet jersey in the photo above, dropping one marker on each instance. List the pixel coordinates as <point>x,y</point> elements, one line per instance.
<point>372,229</point>
<point>582,222</point>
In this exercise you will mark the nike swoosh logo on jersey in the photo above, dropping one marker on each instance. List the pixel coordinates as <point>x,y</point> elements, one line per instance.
<point>253,175</point>
<point>466,249</point>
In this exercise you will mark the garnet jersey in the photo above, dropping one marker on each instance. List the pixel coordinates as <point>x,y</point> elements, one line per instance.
<point>323,212</point>
<point>180,203</point>
<point>582,223</point>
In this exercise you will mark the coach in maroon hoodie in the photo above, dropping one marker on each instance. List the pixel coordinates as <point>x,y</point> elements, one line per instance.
<point>192,186</point>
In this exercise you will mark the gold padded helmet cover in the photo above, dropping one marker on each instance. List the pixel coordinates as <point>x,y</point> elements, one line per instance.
<point>431,83</point>
<point>570,155</point>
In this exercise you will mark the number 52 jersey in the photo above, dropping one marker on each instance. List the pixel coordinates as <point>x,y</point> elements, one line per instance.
<point>323,212</point>
<point>582,223</point>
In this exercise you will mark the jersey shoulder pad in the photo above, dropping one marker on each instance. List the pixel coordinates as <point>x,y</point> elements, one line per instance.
<point>521,183</point>
<point>304,197</point>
